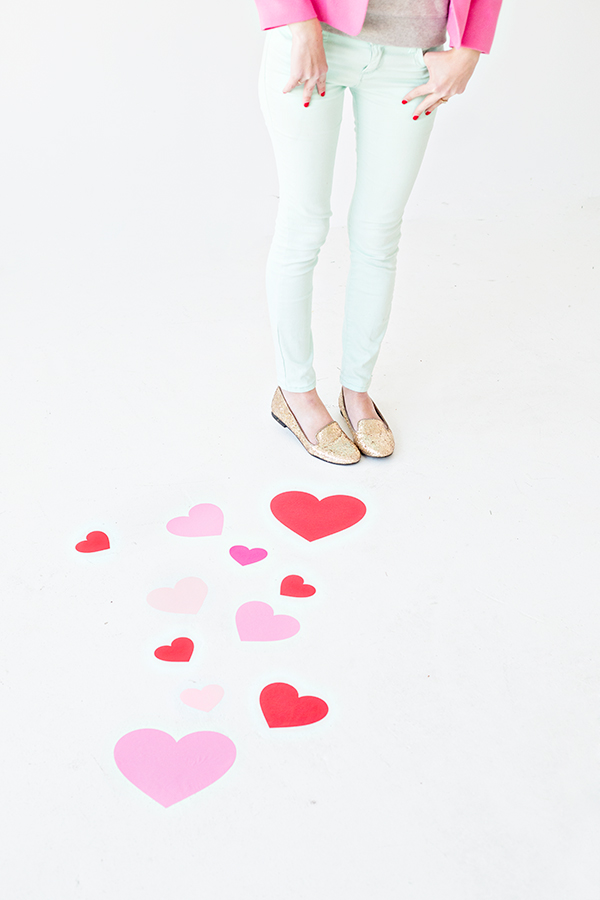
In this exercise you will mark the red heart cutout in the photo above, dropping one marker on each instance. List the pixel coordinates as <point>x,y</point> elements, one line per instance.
<point>312,518</point>
<point>96,540</point>
<point>283,708</point>
<point>179,650</point>
<point>294,586</point>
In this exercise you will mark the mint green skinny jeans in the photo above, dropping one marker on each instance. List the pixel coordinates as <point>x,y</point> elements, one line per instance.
<point>390,146</point>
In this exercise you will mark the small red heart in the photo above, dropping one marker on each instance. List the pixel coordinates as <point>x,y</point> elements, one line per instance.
<point>96,540</point>
<point>179,650</point>
<point>313,519</point>
<point>283,708</point>
<point>294,586</point>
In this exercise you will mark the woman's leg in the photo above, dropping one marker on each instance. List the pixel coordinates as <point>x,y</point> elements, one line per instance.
<point>304,143</point>
<point>390,147</point>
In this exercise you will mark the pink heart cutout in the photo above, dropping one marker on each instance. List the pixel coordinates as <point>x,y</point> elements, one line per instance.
<point>245,555</point>
<point>203,520</point>
<point>168,770</point>
<point>256,621</point>
<point>187,596</point>
<point>205,698</point>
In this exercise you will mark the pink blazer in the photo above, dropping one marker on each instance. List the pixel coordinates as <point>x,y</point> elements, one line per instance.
<point>471,23</point>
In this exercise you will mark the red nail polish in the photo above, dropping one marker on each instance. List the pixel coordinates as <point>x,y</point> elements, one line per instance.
<point>306,104</point>
<point>405,101</point>
<point>428,111</point>
<point>415,117</point>
<point>323,94</point>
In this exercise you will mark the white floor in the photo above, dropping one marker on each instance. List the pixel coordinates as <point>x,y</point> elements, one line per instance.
<point>454,631</point>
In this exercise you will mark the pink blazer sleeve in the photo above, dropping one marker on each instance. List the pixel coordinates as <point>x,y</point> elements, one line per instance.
<point>273,13</point>
<point>479,24</point>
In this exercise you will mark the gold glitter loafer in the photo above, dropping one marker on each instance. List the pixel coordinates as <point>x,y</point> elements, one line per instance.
<point>373,437</point>
<point>332,445</point>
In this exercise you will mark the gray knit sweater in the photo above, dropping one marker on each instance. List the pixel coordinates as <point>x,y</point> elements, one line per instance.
<point>403,23</point>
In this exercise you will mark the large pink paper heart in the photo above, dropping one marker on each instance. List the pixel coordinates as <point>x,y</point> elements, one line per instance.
<point>186,597</point>
<point>203,520</point>
<point>169,770</point>
<point>256,621</point>
<point>247,555</point>
<point>205,698</point>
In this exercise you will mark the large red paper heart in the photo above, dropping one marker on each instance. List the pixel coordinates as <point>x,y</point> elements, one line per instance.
<point>96,540</point>
<point>179,650</point>
<point>294,586</point>
<point>312,518</point>
<point>283,708</point>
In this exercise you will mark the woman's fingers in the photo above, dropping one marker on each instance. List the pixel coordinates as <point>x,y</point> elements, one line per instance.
<point>308,63</point>
<point>430,98</point>
<point>320,83</point>
<point>417,92</point>
<point>449,72</point>
<point>433,106</point>
<point>309,87</point>
<point>428,104</point>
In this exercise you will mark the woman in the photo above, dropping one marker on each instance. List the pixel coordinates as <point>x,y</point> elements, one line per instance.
<point>389,53</point>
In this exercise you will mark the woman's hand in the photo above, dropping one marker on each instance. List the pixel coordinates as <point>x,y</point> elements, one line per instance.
<point>308,62</point>
<point>449,72</point>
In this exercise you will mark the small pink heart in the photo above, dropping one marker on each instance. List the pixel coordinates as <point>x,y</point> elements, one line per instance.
<point>245,555</point>
<point>256,621</point>
<point>205,699</point>
<point>203,520</point>
<point>169,770</point>
<point>187,596</point>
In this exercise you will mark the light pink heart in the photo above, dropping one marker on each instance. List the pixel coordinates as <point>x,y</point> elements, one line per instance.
<point>187,596</point>
<point>168,770</point>
<point>247,555</point>
<point>256,621</point>
<point>205,698</point>
<point>203,520</point>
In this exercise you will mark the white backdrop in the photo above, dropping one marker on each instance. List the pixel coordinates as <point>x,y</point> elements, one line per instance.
<point>119,116</point>
<point>459,655</point>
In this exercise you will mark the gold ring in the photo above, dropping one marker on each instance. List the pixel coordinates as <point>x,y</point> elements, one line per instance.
<point>444,99</point>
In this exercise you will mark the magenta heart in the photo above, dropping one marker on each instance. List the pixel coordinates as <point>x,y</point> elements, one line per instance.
<point>168,770</point>
<point>203,520</point>
<point>245,555</point>
<point>256,621</point>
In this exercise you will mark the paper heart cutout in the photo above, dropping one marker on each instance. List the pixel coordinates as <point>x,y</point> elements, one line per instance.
<point>246,555</point>
<point>294,586</point>
<point>179,650</point>
<point>168,770</point>
<point>313,519</point>
<point>256,621</point>
<point>283,708</point>
<point>187,596</point>
<point>203,520</point>
<point>205,698</point>
<point>95,540</point>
